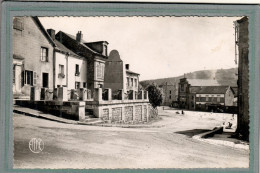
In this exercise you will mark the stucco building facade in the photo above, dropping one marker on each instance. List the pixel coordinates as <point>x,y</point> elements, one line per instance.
<point>170,93</point>
<point>70,69</point>
<point>95,54</point>
<point>32,55</point>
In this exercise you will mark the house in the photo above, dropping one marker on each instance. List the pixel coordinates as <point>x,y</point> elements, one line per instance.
<point>32,56</point>
<point>118,76</point>
<point>210,97</point>
<point>95,54</point>
<point>235,89</point>
<point>242,51</point>
<point>185,95</point>
<point>70,69</point>
<point>170,93</point>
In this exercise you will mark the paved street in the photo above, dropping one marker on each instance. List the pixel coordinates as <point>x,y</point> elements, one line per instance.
<point>166,145</point>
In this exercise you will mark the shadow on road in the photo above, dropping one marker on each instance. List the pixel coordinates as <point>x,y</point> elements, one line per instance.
<point>192,132</point>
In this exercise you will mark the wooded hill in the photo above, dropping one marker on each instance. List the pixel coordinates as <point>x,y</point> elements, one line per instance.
<point>225,77</point>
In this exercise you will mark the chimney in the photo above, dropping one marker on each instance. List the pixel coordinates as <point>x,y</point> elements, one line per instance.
<point>51,32</point>
<point>127,66</point>
<point>79,37</point>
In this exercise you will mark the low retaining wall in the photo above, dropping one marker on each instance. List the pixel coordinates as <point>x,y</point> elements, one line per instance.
<point>120,110</point>
<point>67,109</point>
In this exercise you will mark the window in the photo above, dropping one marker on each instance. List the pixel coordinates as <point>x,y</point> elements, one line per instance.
<point>135,82</point>
<point>218,99</point>
<point>77,70</point>
<point>100,70</point>
<point>28,78</point>
<point>182,87</point>
<point>44,54</point>
<point>18,24</point>
<point>105,50</point>
<point>13,74</point>
<point>127,81</point>
<point>170,97</point>
<point>77,85</point>
<point>170,91</point>
<point>84,85</point>
<point>61,69</point>
<point>132,81</point>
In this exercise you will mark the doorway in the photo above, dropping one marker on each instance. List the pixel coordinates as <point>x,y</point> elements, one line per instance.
<point>45,80</point>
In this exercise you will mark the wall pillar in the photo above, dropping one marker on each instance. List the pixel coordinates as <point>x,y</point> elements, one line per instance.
<point>83,94</point>
<point>109,92</point>
<point>98,94</point>
<point>81,111</point>
<point>62,94</point>
<point>122,95</point>
<point>35,93</point>
<point>147,98</point>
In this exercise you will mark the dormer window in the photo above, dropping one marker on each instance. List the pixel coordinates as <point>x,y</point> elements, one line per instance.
<point>105,50</point>
<point>18,24</point>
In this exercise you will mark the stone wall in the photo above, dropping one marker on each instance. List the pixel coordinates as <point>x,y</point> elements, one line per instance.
<point>135,110</point>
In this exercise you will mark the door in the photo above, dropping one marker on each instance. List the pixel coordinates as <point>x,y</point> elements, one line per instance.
<point>45,80</point>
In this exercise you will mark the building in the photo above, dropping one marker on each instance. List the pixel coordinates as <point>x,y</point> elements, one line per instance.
<point>185,94</point>
<point>95,54</point>
<point>242,49</point>
<point>170,93</point>
<point>118,76</point>
<point>32,56</point>
<point>210,97</point>
<point>70,69</point>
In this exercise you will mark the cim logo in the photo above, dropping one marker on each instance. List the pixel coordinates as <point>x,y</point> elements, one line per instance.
<point>36,145</point>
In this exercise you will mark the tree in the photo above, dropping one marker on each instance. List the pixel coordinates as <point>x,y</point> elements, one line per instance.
<point>155,95</point>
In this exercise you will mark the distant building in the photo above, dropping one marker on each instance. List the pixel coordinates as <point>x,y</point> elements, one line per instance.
<point>205,97</point>
<point>32,56</point>
<point>186,96</point>
<point>242,46</point>
<point>95,54</point>
<point>235,89</point>
<point>70,69</point>
<point>118,75</point>
<point>170,93</point>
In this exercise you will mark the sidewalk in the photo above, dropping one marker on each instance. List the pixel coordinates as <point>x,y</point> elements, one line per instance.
<point>224,138</point>
<point>40,114</point>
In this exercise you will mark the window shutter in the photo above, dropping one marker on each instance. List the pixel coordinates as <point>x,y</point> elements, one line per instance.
<point>22,78</point>
<point>34,78</point>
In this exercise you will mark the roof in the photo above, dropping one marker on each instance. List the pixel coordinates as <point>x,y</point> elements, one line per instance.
<point>209,89</point>
<point>203,82</point>
<point>235,89</point>
<point>45,33</point>
<point>95,42</point>
<point>82,43</point>
<point>64,49</point>
<point>129,71</point>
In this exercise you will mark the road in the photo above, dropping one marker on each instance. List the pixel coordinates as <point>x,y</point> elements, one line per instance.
<point>166,144</point>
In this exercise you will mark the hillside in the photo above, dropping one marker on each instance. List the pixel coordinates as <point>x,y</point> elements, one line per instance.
<point>223,76</point>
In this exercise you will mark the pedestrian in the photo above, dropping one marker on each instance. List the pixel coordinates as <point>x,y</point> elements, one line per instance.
<point>182,112</point>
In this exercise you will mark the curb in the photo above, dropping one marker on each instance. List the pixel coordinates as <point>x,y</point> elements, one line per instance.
<point>203,137</point>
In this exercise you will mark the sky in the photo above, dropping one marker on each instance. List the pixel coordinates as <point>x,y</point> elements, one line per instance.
<point>159,47</point>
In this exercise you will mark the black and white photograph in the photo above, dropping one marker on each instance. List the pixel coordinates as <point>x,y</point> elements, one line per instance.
<point>132,92</point>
